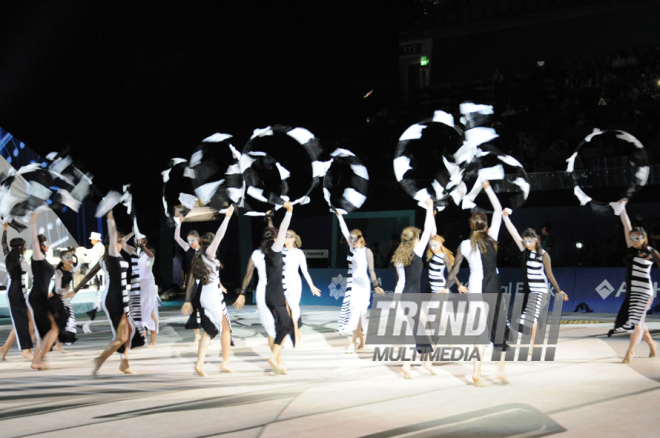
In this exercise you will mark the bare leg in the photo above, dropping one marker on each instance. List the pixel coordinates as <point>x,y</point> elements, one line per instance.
<point>500,374</point>
<point>153,332</point>
<point>363,337</point>
<point>531,349</point>
<point>8,343</point>
<point>296,330</point>
<point>31,328</point>
<point>124,367</point>
<point>407,370</point>
<point>201,354</point>
<point>351,347</point>
<point>59,347</point>
<point>47,342</point>
<point>476,376</point>
<point>225,342</point>
<point>275,359</point>
<point>635,337</point>
<point>428,366</point>
<point>649,340</point>
<point>120,339</point>
<point>27,353</point>
<point>197,337</point>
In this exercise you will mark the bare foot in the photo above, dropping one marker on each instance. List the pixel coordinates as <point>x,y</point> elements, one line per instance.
<point>351,347</point>
<point>125,368</point>
<point>503,380</point>
<point>629,357</point>
<point>3,353</point>
<point>653,347</point>
<point>274,365</point>
<point>226,369</point>
<point>407,372</point>
<point>478,382</point>
<point>39,365</point>
<point>97,365</point>
<point>60,348</point>
<point>196,341</point>
<point>200,371</point>
<point>26,354</point>
<point>151,345</point>
<point>430,368</point>
<point>283,369</point>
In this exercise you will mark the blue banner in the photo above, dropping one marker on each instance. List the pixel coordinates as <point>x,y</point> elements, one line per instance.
<point>600,290</point>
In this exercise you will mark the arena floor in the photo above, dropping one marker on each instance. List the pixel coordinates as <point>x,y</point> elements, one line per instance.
<point>585,392</point>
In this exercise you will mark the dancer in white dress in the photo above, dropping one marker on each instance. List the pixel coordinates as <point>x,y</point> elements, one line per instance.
<point>214,315</point>
<point>148,289</point>
<point>257,261</point>
<point>361,276</point>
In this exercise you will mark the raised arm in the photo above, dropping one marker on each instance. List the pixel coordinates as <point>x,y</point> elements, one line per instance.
<point>177,235</point>
<point>91,274</point>
<point>284,226</point>
<point>303,267</point>
<point>213,247</point>
<point>372,272</point>
<point>454,271</point>
<point>269,218</point>
<point>5,246</point>
<point>496,222</point>
<point>429,229</point>
<point>124,243</point>
<point>36,247</point>
<point>512,230</point>
<point>112,235</point>
<point>625,220</point>
<point>344,228</point>
<point>150,252</point>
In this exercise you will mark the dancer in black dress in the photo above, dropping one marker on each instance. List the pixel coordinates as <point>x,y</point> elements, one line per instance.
<point>16,269</point>
<point>639,287</point>
<point>115,303</point>
<point>271,245</point>
<point>409,264</point>
<point>480,250</point>
<point>213,310</point>
<point>59,301</point>
<point>190,247</point>
<point>45,327</point>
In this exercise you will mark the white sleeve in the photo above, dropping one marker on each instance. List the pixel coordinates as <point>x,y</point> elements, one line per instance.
<point>401,282</point>
<point>177,236</point>
<point>303,268</point>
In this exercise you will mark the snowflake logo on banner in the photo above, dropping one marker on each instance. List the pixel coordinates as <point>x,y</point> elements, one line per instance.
<point>337,287</point>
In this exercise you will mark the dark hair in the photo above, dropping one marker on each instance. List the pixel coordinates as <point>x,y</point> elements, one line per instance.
<point>267,237</point>
<point>479,235</point>
<point>12,260</point>
<point>193,233</point>
<point>199,269</point>
<point>41,239</point>
<point>641,231</point>
<point>531,233</point>
<point>547,226</point>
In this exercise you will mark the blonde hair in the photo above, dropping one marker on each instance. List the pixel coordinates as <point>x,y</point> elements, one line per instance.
<point>361,240</point>
<point>479,235</point>
<point>298,240</point>
<point>404,253</point>
<point>430,254</point>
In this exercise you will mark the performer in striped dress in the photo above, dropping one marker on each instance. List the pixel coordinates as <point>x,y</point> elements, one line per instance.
<point>361,276</point>
<point>538,270</point>
<point>294,262</point>
<point>409,265</point>
<point>190,247</point>
<point>639,287</point>
<point>144,286</point>
<point>440,259</point>
<point>214,315</point>
<point>45,327</point>
<point>16,268</point>
<point>115,302</point>
<point>481,253</point>
<point>135,295</point>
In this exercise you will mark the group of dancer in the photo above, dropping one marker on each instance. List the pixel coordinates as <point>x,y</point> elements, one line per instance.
<point>278,262</point>
<point>48,314</point>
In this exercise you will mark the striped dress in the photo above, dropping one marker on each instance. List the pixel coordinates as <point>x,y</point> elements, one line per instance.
<point>639,289</point>
<point>536,284</point>
<point>437,273</point>
<point>135,297</point>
